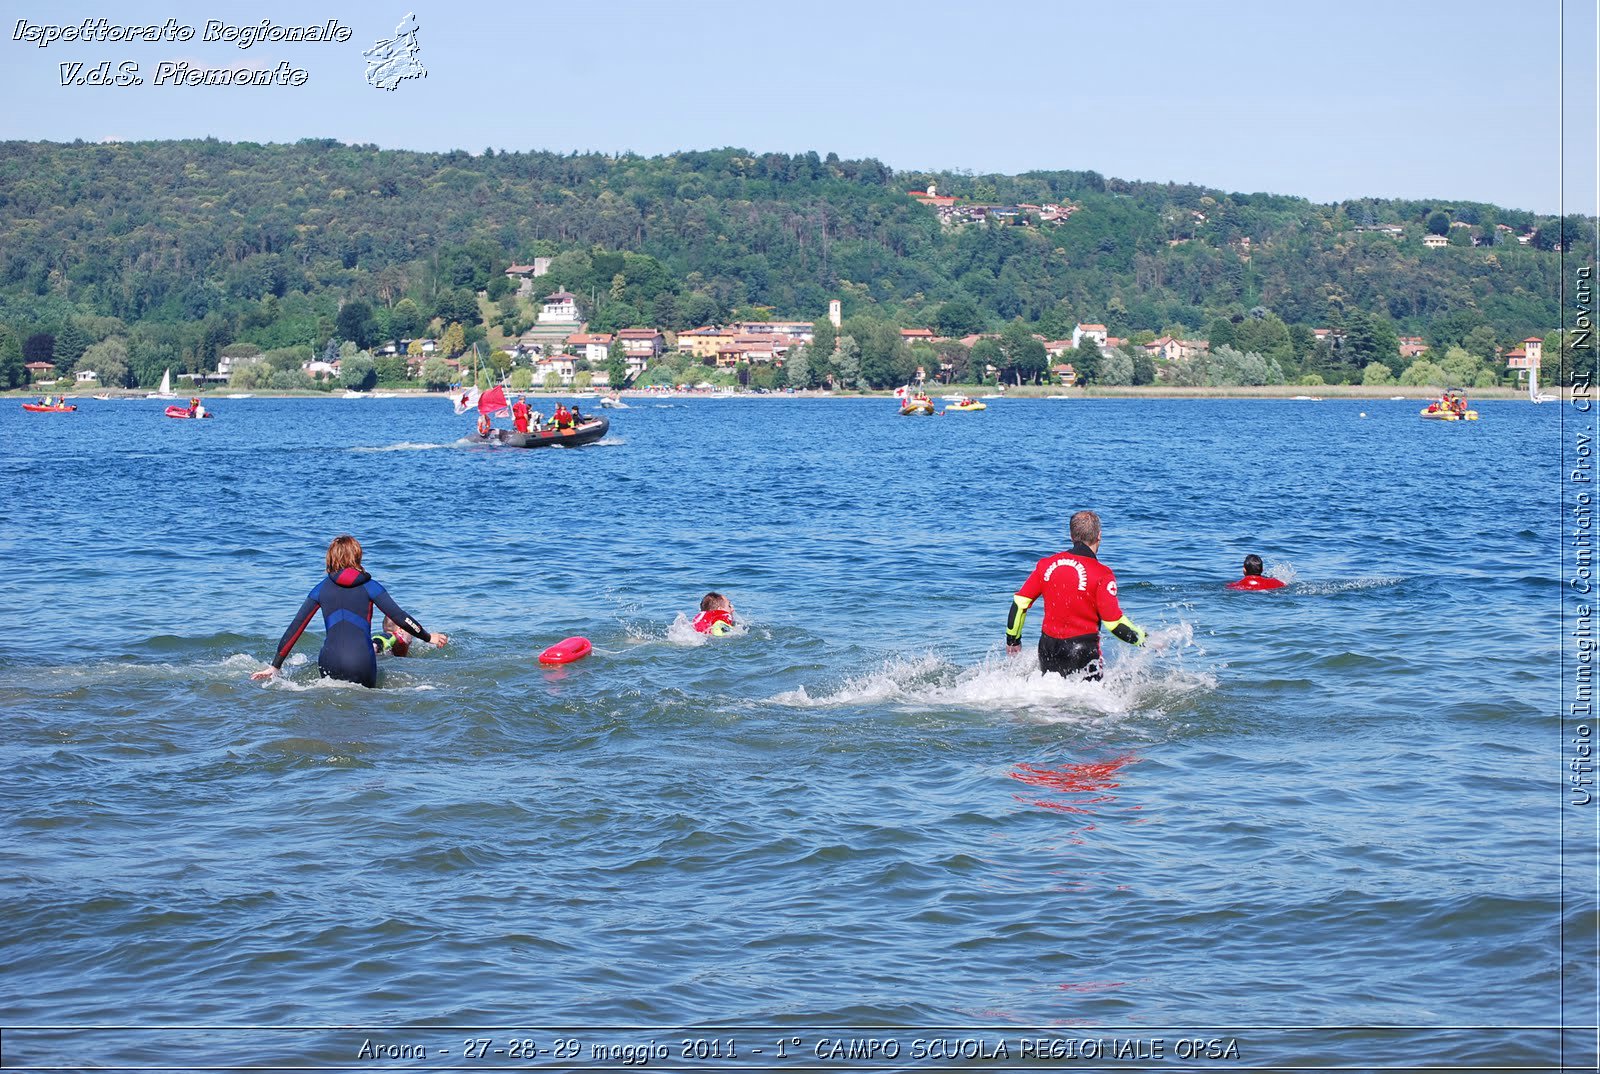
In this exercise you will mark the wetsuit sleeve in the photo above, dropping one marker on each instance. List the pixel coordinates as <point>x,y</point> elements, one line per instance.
<point>1021,601</point>
<point>301,619</point>
<point>1111,614</point>
<point>380,596</point>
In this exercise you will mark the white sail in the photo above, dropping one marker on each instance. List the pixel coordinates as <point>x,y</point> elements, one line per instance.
<point>1534,395</point>
<point>166,387</point>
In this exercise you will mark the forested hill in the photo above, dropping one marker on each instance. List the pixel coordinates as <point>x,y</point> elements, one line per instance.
<point>195,244</point>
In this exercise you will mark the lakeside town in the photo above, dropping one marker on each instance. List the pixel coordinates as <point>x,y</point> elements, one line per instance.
<point>558,353</point>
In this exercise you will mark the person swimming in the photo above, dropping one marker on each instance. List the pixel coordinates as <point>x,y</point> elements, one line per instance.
<point>1253,578</point>
<point>347,596</point>
<point>716,615</point>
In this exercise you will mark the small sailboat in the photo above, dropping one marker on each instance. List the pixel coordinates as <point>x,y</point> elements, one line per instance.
<point>1534,394</point>
<point>166,387</point>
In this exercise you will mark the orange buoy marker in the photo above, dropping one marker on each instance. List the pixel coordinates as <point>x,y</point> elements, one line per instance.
<point>566,651</point>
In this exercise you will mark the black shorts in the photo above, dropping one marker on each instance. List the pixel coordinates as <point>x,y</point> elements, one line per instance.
<point>1070,656</point>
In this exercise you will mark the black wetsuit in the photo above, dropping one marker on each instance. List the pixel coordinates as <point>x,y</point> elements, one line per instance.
<point>346,601</point>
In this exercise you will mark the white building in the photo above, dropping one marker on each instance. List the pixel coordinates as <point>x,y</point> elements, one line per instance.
<point>1096,332</point>
<point>559,308</point>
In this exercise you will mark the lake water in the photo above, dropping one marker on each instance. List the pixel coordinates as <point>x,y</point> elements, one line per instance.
<point>1322,824</point>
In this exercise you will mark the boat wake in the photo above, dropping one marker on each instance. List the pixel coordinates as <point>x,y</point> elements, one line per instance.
<point>404,445</point>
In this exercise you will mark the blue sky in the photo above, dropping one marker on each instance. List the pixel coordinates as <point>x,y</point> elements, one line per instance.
<point>1431,99</point>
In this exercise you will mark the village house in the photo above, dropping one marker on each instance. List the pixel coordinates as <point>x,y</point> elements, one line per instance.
<point>788,332</point>
<point>1166,349</point>
<point>1412,346</point>
<point>41,370</point>
<point>1435,242</point>
<point>1065,373</point>
<point>757,350</point>
<point>564,366</point>
<point>645,343</point>
<point>917,335</point>
<point>87,376</point>
<point>592,346</point>
<point>1097,332</point>
<point>704,342</point>
<point>932,197</point>
<point>1526,356</point>
<point>559,308</point>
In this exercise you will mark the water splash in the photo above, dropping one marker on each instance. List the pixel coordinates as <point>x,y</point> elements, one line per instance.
<point>1138,681</point>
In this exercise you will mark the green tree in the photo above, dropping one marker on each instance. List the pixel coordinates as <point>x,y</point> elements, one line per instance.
<point>847,363</point>
<point>357,324</point>
<point>39,347</point>
<point>1376,375</point>
<point>1116,367</point>
<point>13,370</point>
<point>1025,357</point>
<point>986,352</point>
<point>109,361</point>
<point>406,319</point>
<point>521,379</point>
<point>1086,360</point>
<point>797,369</point>
<point>436,375</point>
<point>453,342</point>
<point>71,342</point>
<point>617,364</point>
<point>358,372</point>
<point>958,317</point>
<point>1370,338</point>
<point>1438,224</point>
<point>1144,367</point>
<point>1221,333</point>
<point>1422,372</point>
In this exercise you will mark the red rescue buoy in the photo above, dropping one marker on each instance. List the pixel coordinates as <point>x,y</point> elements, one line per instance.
<point>566,651</point>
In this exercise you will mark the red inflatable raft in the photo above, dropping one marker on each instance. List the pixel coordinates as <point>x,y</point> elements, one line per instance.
<point>566,651</point>
<point>182,412</point>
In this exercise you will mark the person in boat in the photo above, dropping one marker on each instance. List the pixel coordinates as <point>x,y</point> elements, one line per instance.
<point>519,413</point>
<point>1080,595</point>
<point>346,596</point>
<point>716,615</point>
<point>196,408</point>
<point>1253,578</point>
<point>575,416</point>
<point>563,416</point>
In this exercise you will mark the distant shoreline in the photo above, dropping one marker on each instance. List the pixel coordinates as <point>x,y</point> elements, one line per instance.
<point>1274,391</point>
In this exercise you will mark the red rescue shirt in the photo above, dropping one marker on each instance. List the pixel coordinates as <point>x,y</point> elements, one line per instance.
<point>1079,593</point>
<point>1256,581</point>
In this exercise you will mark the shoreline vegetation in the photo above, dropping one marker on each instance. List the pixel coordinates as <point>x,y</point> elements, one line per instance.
<point>1321,392</point>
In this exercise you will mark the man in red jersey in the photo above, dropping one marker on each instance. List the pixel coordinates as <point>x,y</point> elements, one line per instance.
<point>1080,593</point>
<point>1253,578</point>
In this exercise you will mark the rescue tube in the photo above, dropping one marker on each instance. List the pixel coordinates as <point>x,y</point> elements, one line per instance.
<point>566,651</point>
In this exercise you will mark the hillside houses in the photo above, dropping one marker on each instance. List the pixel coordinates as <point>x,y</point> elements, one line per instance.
<point>952,212</point>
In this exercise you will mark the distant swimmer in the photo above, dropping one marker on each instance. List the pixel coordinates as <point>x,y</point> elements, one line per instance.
<point>1253,578</point>
<point>346,597</point>
<point>1080,594</point>
<point>716,615</point>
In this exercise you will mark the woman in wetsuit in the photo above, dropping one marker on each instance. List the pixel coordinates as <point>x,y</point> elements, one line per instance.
<point>346,597</point>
